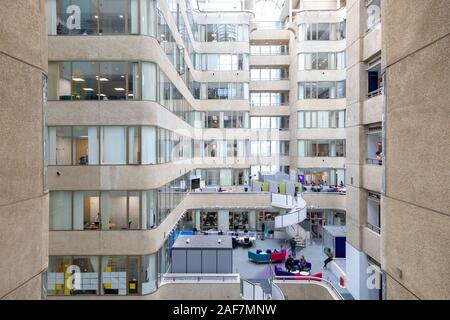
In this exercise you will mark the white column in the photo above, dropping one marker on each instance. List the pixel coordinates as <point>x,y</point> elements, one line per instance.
<point>252,220</point>
<point>223,220</point>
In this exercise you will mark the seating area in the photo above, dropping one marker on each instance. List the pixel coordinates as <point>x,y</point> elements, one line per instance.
<point>269,256</point>
<point>297,275</point>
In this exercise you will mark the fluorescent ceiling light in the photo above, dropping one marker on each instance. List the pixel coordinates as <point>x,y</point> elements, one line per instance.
<point>88,89</point>
<point>119,89</point>
<point>77,79</point>
<point>103,79</point>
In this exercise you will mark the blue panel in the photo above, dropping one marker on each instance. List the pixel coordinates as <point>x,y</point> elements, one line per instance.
<point>340,247</point>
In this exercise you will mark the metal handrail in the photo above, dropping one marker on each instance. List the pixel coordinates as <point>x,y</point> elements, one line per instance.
<point>311,280</point>
<point>199,277</point>
<point>375,93</point>
<point>378,162</point>
<point>373,228</point>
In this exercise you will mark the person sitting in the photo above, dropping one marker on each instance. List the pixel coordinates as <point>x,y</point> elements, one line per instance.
<point>289,264</point>
<point>83,161</point>
<point>302,264</point>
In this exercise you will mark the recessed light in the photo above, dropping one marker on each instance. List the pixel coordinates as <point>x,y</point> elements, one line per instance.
<point>120,16</point>
<point>88,89</point>
<point>119,89</point>
<point>122,76</point>
<point>77,79</point>
<point>96,17</point>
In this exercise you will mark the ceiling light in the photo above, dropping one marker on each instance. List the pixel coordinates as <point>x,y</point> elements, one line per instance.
<point>120,16</point>
<point>122,77</point>
<point>77,79</point>
<point>88,89</point>
<point>96,17</point>
<point>104,79</point>
<point>119,89</point>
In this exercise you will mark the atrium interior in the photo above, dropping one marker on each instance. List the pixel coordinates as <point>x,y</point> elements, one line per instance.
<point>225,149</point>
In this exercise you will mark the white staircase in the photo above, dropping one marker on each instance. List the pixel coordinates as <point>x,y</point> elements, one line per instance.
<point>291,220</point>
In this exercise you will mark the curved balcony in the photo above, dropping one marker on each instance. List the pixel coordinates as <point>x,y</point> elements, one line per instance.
<point>137,242</point>
<point>106,113</point>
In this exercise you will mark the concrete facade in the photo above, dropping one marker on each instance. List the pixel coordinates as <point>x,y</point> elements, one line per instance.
<point>416,240</point>
<point>23,199</point>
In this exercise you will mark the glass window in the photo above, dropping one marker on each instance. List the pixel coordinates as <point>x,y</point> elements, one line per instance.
<point>322,61</point>
<point>340,60</point>
<point>301,90</point>
<point>113,145</point>
<point>114,210</point>
<point>86,210</point>
<point>265,99</point>
<point>148,17</point>
<point>113,80</point>
<point>149,274</point>
<point>341,90</point>
<point>60,145</point>
<point>324,89</point>
<point>341,119</point>
<point>265,122</point>
<point>113,18</point>
<point>77,17</point>
<point>133,145</point>
<point>255,74</point>
<point>301,148</point>
<point>85,80</point>
<point>255,122</point>
<point>80,146</point>
<point>301,120</point>
<point>323,31</point>
<point>60,208</point>
<point>149,83</point>
<point>114,275</point>
<point>148,145</point>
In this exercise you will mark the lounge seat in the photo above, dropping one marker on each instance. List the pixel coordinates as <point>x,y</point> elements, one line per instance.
<point>261,257</point>
<point>279,272</point>
<point>264,257</point>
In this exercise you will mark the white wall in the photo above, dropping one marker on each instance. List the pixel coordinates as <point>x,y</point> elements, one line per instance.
<point>357,275</point>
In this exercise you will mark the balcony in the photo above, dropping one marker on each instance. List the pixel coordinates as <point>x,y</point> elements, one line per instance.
<point>269,60</point>
<point>372,176</point>
<point>373,107</point>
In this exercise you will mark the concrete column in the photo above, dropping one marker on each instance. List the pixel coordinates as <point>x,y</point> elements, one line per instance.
<point>196,219</point>
<point>252,220</point>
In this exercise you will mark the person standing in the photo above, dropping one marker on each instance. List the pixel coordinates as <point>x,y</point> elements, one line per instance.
<point>329,259</point>
<point>263,229</point>
<point>292,243</point>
